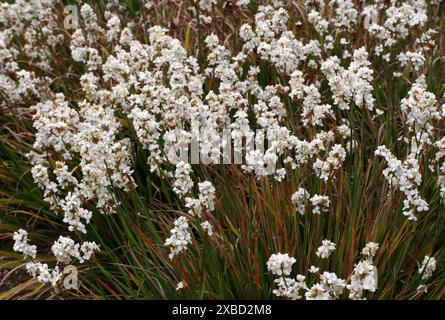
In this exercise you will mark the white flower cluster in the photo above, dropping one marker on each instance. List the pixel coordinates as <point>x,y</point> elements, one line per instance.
<point>290,288</point>
<point>104,160</point>
<point>325,250</point>
<point>364,276</point>
<point>406,177</point>
<point>416,59</point>
<point>180,237</point>
<point>329,286</point>
<point>319,203</point>
<point>352,84</point>
<point>21,244</point>
<point>398,19</point>
<point>427,267</point>
<point>64,249</point>
<point>299,199</point>
<point>43,273</point>
<point>344,15</point>
<point>336,157</point>
<point>183,183</point>
<point>207,227</point>
<point>421,108</point>
<point>155,87</point>
<point>35,24</point>
<point>422,112</point>
<point>205,199</point>
<point>280,264</point>
<point>370,250</point>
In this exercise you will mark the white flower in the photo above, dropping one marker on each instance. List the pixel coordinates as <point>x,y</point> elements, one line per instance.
<point>335,158</point>
<point>183,183</point>
<point>207,195</point>
<point>299,199</point>
<point>428,267</point>
<point>415,58</point>
<point>181,285</point>
<point>87,249</point>
<point>421,108</point>
<point>280,264</point>
<point>370,250</point>
<point>314,269</point>
<point>325,250</point>
<point>332,284</point>
<point>21,244</point>
<point>206,226</point>
<point>353,84</point>
<point>406,176</point>
<point>319,203</point>
<point>317,292</point>
<point>363,278</point>
<point>180,237</point>
<point>65,249</point>
<point>242,3</point>
<point>43,273</point>
<point>290,288</point>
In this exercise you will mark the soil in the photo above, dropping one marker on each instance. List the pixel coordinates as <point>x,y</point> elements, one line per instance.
<point>9,280</point>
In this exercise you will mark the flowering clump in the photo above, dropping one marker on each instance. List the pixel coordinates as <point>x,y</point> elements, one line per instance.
<point>325,250</point>
<point>290,288</point>
<point>104,160</point>
<point>428,267</point>
<point>329,286</point>
<point>299,199</point>
<point>319,203</point>
<point>207,227</point>
<point>421,109</point>
<point>64,250</point>
<point>353,84</point>
<point>180,237</point>
<point>21,244</point>
<point>404,175</point>
<point>333,162</point>
<point>364,276</point>
<point>211,131</point>
<point>280,264</point>
<point>370,250</point>
<point>43,273</point>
